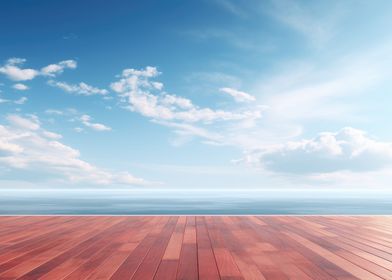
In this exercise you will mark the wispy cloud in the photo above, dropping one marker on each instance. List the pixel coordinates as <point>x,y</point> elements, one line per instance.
<point>21,100</point>
<point>87,121</point>
<point>309,91</point>
<point>74,115</point>
<point>306,19</point>
<point>54,112</point>
<point>233,7</point>
<point>238,95</point>
<point>309,20</point>
<point>185,132</point>
<point>2,100</point>
<point>80,89</point>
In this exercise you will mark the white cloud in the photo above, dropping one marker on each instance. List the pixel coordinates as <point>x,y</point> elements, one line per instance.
<point>16,60</point>
<point>346,150</point>
<point>215,79</point>
<point>70,36</point>
<point>26,147</point>
<point>138,90</point>
<point>52,135</point>
<point>305,93</point>
<point>54,112</point>
<point>187,131</point>
<point>2,100</point>
<point>81,88</point>
<point>86,120</point>
<point>20,86</point>
<point>232,7</point>
<point>309,20</point>
<point>53,69</point>
<point>63,112</point>
<point>76,116</point>
<point>12,69</point>
<point>238,96</point>
<point>21,100</point>
<point>147,98</point>
<point>17,121</point>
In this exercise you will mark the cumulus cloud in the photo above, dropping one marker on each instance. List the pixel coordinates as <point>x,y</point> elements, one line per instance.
<point>238,96</point>
<point>20,86</point>
<point>145,96</point>
<point>25,146</point>
<point>86,120</point>
<point>81,88</point>
<point>346,150</point>
<point>53,69</point>
<point>14,71</point>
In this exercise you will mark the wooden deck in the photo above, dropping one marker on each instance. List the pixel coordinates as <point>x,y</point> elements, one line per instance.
<point>203,247</point>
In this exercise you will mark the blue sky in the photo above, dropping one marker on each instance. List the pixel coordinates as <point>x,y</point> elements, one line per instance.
<point>195,94</point>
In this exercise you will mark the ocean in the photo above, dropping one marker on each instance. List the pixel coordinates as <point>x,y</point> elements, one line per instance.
<point>193,202</point>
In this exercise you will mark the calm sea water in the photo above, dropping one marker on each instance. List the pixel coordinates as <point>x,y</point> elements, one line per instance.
<point>124,202</point>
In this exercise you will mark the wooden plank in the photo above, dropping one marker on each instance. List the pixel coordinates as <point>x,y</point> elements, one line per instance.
<point>54,258</point>
<point>173,249</point>
<point>187,268</point>
<point>16,266</point>
<point>110,265</point>
<point>22,249</point>
<point>226,264</point>
<point>91,258</point>
<point>355,270</point>
<point>307,260</point>
<point>168,267</point>
<point>237,247</point>
<point>149,266</point>
<point>128,268</point>
<point>203,247</point>
<point>207,266</point>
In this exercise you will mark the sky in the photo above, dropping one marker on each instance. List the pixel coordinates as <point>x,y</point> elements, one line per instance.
<point>204,95</point>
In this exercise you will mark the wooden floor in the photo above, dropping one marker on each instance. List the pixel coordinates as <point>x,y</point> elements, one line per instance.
<point>203,247</point>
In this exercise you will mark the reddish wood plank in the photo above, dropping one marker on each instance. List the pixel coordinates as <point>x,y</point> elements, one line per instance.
<point>208,269</point>
<point>52,259</point>
<point>356,271</point>
<point>167,269</point>
<point>109,267</point>
<point>135,259</point>
<point>187,268</point>
<point>204,247</point>
<point>154,256</point>
<point>102,250</point>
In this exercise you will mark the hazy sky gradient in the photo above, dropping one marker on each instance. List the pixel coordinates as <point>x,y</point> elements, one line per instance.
<point>195,94</point>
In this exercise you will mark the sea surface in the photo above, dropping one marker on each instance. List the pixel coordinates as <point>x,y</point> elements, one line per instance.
<point>177,202</point>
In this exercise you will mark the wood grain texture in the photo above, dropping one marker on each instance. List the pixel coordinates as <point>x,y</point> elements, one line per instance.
<point>202,247</point>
